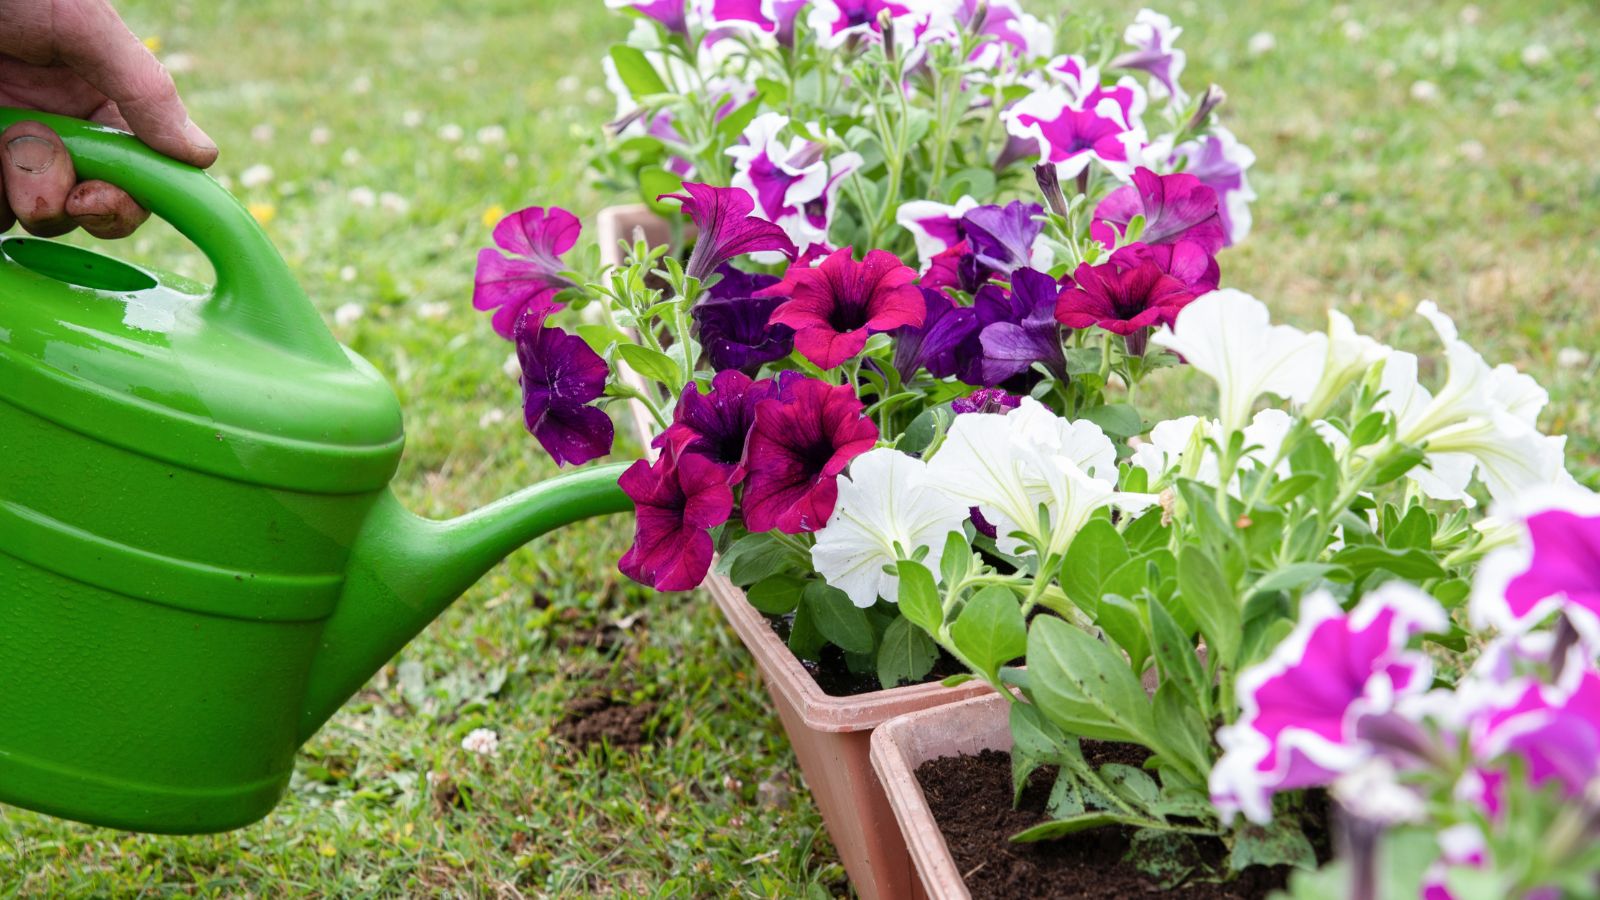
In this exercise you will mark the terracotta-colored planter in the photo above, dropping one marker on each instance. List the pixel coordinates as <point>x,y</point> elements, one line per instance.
<point>900,746</point>
<point>830,735</point>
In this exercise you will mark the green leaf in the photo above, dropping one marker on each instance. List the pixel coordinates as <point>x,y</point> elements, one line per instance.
<point>805,641</point>
<point>1281,843</point>
<point>1083,360</point>
<point>956,680</point>
<point>1176,658</point>
<point>1184,731</point>
<point>600,336</point>
<point>843,623</point>
<point>1096,552</point>
<point>1034,742</point>
<point>1146,532</point>
<point>1292,577</point>
<point>955,559</point>
<point>776,595</point>
<point>990,631</point>
<point>652,364</point>
<point>1411,564</point>
<point>1415,531</point>
<point>1312,456</point>
<point>1066,800</point>
<point>635,71</point>
<point>756,557</point>
<point>906,654</point>
<point>1118,420</point>
<point>1212,603</point>
<point>1063,827</point>
<point>1452,593</point>
<point>1135,786</point>
<point>1167,857</point>
<point>1084,687</point>
<point>1119,618</point>
<point>654,182</point>
<point>919,597</point>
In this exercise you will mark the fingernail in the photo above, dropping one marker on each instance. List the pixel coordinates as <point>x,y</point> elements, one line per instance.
<point>32,154</point>
<point>197,137</point>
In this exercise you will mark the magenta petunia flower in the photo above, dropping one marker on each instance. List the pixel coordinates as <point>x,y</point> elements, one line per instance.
<point>836,305</point>
<point>837,21</point>
<point>1553,567</point>
<point>1185,260</point>
<point>676,501</point>
<point>561,375</point>
<point>726,228</point>
<point>1222,164</point>
<point>528,275</point>
<point>1071,132</point>
<point>1554,729</point>
<point>1301,709</point>
<point>773,17</point>
<point>803,438</point>
<point>1122,299</point>
<point>1175,208</point>
<point>716,425</point>
<point>670,13</point>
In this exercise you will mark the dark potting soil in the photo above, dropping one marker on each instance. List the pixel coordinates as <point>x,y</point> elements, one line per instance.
<point>970,797</point>
<point>832,672</point>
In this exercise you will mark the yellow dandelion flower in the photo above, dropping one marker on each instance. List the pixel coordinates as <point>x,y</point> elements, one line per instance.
<point>493,215</point>
<point>153,43</point>
<point>264,212</point>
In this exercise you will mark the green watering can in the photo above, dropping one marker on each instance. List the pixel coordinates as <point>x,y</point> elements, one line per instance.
<point>200,558</point>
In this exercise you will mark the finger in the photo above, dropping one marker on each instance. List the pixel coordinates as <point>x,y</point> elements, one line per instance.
<point>6,218</point>
<point>39,175</point>
<point>105,210</point>
<point>101,49</point>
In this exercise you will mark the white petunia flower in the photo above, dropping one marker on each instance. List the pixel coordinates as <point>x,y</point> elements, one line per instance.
<point>886,510</point>
<point>1350,357</point>
<point>1011,465</point>
<point>1229,336</point>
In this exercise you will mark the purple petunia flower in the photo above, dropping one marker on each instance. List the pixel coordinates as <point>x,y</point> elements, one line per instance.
<point>1175,208</point>
<point>1186,261</point>
<point>1019,328</point>
<point>1123,299</point>
<point>670,13</point>
<point>835,306</point>
<point>1071,132</point>
<point>1221,162</point>
<point>716,425</point>
<point>1002,237</point>
<point>733,323</point>
<point>946,343</point>
<point>726,228</point>
<point>528,275</point>
<point>802,439</point>
<point>561,375</point>
<point>676,502</point>
<point>1301,709</point>
<point>1153,36</point>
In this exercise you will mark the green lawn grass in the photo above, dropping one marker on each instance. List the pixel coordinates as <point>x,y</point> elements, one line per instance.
<point>1483,194</point>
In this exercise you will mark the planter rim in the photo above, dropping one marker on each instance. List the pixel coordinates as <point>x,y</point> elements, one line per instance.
<point>904,743</point>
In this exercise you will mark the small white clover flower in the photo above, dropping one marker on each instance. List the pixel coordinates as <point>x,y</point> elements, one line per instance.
<point>362,196</point>
<point>1571,358</point>
<point>512,366</point>
<point>411,118</point>
<point>255,176</point>
<point>1424,91</point>
<point>491,134</point>
<point>1262,43</point>
<point>393,203</point>
<point>348,314</point>
<point>482,741</point>
<point>451,132</point>
<point>321,135</point>
<point>1536,56</point>
<point>262,133</point>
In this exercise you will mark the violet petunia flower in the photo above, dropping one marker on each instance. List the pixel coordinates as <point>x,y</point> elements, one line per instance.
<point>1153,37</point>
<point>1301,709</point>
<point>1222,163</point>
<point>1185,260</point>
<point>1019,328</point>
<point>1175,208</point>
<point>561,375</point>
<point>803,438</point>
<point>726,229</point>
<point>527,276</point>
<point>733,323</point>
<point>670,13</point>
<point>945,343</point>
<point>986,400</point>
<point>715,425</point>
<point>836,305</point>
<point>1123,299</point>
<point>676,501</point>
<point>1002,237</point>
<point>794,184</point>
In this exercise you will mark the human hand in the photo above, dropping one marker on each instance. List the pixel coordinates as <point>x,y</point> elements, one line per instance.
<point>77,58</point>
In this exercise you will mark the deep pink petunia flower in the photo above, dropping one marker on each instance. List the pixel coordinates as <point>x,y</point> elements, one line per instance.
<point>1175,207</point>
<point>1565,563</point>
<point>676,501</point>
<point>716,425</point>
<point>722,217</point>
<point>561,375</point>
<point>802,439</point>
<point>670,13</point>
<point>1123,300</point>
<point>836,305</point>
<point>1186,261</point>
<point>528,275</point>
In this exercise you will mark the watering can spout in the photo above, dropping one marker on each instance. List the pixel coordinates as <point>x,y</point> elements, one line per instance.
<point>405,570</point>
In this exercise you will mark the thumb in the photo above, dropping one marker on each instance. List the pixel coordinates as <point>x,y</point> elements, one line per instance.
<point>103,52</point>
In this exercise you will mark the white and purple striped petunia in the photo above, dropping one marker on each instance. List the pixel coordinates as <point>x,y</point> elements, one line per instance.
<point>670,13</point>
<point>1301,708</point>
<point>794,183</point>
<point>1222,164</point>
<point>1072,125</point>
<point>1153,36</point>
<point>936,227</point>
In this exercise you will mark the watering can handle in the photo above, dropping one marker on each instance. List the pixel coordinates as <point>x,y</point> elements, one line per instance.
<point>255,293</point>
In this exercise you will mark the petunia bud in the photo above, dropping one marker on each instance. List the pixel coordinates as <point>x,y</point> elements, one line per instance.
<point>980,17</point>
<point>1049,180</point>
<point>886,28</point>
<point>1209,101</point>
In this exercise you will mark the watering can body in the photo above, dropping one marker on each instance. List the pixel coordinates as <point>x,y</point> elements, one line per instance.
<point>200,558</point>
